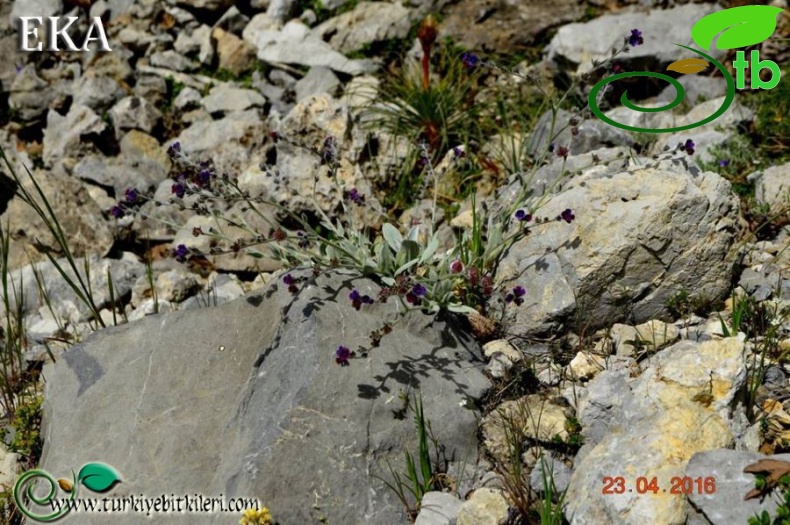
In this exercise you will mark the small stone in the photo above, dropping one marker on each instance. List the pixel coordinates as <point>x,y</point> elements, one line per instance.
<point>463,220</point>
<point>317,80</point>
<point>96,92</point>
<point>585,365</point>
<point>137,145</point>
<point>533,415</point>
<point>224,99</point>
<point>556,472</point>
<point>235,54</point>
<point>502,355</point>
<point>135,113</point>
<point>150,307</point>
<point>438,508</point>
<point>485,507</point>
<point>172,60</point>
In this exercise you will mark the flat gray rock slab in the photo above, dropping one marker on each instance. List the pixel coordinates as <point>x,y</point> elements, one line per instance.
<point>246,400</point>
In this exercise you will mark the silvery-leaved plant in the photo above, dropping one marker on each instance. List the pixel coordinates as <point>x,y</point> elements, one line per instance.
<point>408,267</point>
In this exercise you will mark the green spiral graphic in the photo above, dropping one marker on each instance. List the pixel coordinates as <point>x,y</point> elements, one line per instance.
<point>679,96</point>
<point>28,478</point>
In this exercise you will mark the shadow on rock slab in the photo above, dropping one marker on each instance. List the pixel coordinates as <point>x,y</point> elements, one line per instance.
<point>246,400</point>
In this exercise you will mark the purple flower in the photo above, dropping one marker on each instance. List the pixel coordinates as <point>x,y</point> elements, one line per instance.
<point>516,295</point>
<point>290,281</point>
<point>567,216</point>
<point>636,38</point>
<point>474,276</point>
<point>131,195</point>
<point>342,355</point>
<point>562,151</point>
<point>688,147</point>
<point>469,60</point>
<point>174,149</point>
<point>116,212</point>
<point>356,299</point>
<point>522,215</point>
<point>724,163</point>
<point>419,290</point>
<point>204,176</point>
<point>180,253</point>
<point>279,235</point>
<point>330,150</point>
<point>356,197</point>
<point>304,242</point>
<point>459,152</point>
<point>179,188</point>
<point>456,266</point>
<point>488,285</point>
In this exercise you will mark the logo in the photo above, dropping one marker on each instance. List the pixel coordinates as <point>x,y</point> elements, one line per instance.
<point>739,27</point>
<point>97,477</point>
<point>28,27</point>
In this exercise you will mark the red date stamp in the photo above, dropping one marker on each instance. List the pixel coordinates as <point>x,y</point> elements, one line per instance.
<point>677,485</point>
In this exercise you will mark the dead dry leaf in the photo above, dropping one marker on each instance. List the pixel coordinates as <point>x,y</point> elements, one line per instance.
<point>773,469</point>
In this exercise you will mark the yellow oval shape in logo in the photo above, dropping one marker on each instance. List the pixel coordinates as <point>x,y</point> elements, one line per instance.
<point>688,66</point>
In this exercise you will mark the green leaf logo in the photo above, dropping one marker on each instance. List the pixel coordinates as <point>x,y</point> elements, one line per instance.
<point>98,477</point>
<point>741,26</point>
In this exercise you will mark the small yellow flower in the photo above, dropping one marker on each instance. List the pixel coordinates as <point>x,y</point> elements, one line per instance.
<point>256,517</point>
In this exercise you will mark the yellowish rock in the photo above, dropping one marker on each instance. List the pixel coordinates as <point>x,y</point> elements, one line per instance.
<point>485,507</point>
<point>657,333</point>
<point>679,406</point>
<point>462,220</point>
<point>235,55</point>
<point>531,416</point>
<point>585,365</point>
<point>503,347</point>
<point>137,144</point>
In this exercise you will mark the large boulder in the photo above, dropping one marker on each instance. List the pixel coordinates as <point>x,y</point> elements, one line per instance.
<point>64,301</point>
<point>578,44</point>
<point>641,234</point>
<point>506,27</point>
<point>227,141</point>
<point>296,44</point>
<point>246,400</point>
<point>686,401</point>
<point>366,24</point>
<point>79,216</point>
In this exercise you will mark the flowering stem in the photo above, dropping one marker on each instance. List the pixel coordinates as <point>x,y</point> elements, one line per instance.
<point>426,81</point>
